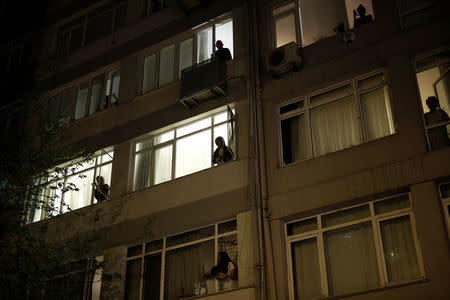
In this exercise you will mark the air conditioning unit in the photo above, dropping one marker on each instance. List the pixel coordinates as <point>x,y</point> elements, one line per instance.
<point>284,59</point>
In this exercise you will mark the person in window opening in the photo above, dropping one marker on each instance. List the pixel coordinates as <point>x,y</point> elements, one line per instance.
<point>101,189</point>
<point>223,153</point>
<point>363,18</point>
<point>225,272</point>
<point>222,53</point>
<point>438,135</point>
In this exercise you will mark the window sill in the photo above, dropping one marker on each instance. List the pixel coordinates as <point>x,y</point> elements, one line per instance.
<point>217,293</point>
<point>388,287</point>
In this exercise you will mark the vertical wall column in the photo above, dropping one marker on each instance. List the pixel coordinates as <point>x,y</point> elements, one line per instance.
<point>113,279</point>
<point>121,175</point>
<point>247,249</point>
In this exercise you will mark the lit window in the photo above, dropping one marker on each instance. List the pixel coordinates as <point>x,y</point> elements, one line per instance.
<point>112,88</point>
<point>72,188</point>
<point>353,250</point>
<point>325,122</point>
<point>185,261</point>
<point>181,150</point>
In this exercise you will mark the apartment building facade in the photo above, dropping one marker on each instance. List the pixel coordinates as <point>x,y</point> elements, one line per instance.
<point>339,185</point>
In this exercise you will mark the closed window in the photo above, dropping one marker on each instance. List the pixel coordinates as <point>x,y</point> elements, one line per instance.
<point>182,261</point>
<point>354,249</point>
<point>350,114</point>
<point>182,150</point>
<point>416,12</point>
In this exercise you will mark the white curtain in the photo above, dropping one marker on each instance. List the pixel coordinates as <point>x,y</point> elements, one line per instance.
<point>306,271</point>
<point>82,197</point>
<point>193,153</point>
<point>149,79</point>
<point>141,178</point>
<point>224,33</point>
<point>185,267</point>
<point>166,65</point>
<point>377,114</point>
<point>80,108</point>
<point>96,94</point>
<point>334,126</point>
<point>163,164</point>
<point>185,55</point>
<point>351,259</point>
<point>399,249</point>
<point>319,18</point>
<point>204,45</point>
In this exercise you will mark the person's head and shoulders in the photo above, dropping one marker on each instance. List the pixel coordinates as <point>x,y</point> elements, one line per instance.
<point>222,52</point>
<point>101,189</point>
<point>363,18</point>
<point>436,114</point>
<point>223,153</point>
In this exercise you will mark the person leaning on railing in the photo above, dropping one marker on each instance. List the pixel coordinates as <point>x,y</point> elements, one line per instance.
<point>101,189</point>
<point>436,120</point>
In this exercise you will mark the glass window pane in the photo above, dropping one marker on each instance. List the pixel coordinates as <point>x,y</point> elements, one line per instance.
<point>141,178</point>
<point>149,79</point>
<point>306,270</point>
<point>115,87</point>
<point>221,130</point>
<point>65,109</point>
<point>163,164</point>
<point>153,246</point>
<point>351,259</point>
<point>82,94</point>
<point>399,249</point>
<point>107,155</point>
<point>224,33</point>
<point>135,250</point>
<point>82,197</point>
<point>204,45</point>
<point>295,139</point>
<point>164,137</point>
<point>96,94</point>
<point>166,64</point>
<point>193,153</point>
<point>105,172</point>
<point>228,226</point>
<point>152,277</point>
<point>334,126</point>
<point>372,81</point>
<point>302,226</point>
<point>285,30</point>
<point>222,117</point>
<point>190,236</point>
<point>203,123</point>
<point>186,55</point>
<point>291,106</point>
<point>335,94</point>
<point>283,8</point>
<point>186,267</point>
<point>330,14</point>
<point>144,144</point>
<point>132,279</point>
<point>345,216</point>
<point>52,110</point>
<point>391,204</point>
<point>377,114</point>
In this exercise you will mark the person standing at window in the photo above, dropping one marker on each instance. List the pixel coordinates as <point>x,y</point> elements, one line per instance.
<point>225,272</point>
<point>222,53</point>
<point>223,153</point>
<point>438,135</point>
<point>101,189</point>
<point>363,18</point>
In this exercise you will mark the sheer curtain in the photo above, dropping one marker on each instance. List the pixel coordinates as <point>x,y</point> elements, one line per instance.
<point>334,126</point>
<point>306,272</point>
<point>163,164</point>
<point>224,33</point>
<point>149,79</point>
<point>96,94</point>
<point>204,45</point>
<point>351,259</point>
<point>141,178</point>
<point>399,249</point>
<point>184,267</point>
<point>80,108</point>
<point>193,153</point>
<point>377,114</point>
<point>77,199</point>
<point>166,65</point>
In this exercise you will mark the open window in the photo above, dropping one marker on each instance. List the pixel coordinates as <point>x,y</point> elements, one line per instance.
<point>433,79</point>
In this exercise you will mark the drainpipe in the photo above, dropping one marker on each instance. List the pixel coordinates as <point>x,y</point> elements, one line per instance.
<point>260,171</point>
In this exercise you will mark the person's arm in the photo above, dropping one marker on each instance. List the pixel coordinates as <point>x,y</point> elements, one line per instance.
<point>444,115</point>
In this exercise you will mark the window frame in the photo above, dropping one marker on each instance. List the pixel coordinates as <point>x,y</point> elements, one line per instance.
<point>308,107</point>
<point>164,249</point>
<point>274,17</point>
<point>445,206</point>
<point>411,11</point>
<point>174,127</point>
<point>177,40</point>
<point>375,220</point>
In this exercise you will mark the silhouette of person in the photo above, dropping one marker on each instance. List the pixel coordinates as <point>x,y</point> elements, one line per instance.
<point>225,271</point>
<point>363,18</point>
<point>101,190</point>
<point>438,136</point>
<point>223,153</point>
<point>222,53</point>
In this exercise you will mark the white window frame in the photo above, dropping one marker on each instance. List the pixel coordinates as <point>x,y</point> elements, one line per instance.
<point>445,207</point>
<point>173,142</point>
<point>307,107</point>
<point>97,165</point>
<point>375,222</point>
<point>215,237</point>
<point>176,41</point>
<point>295,11</point>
